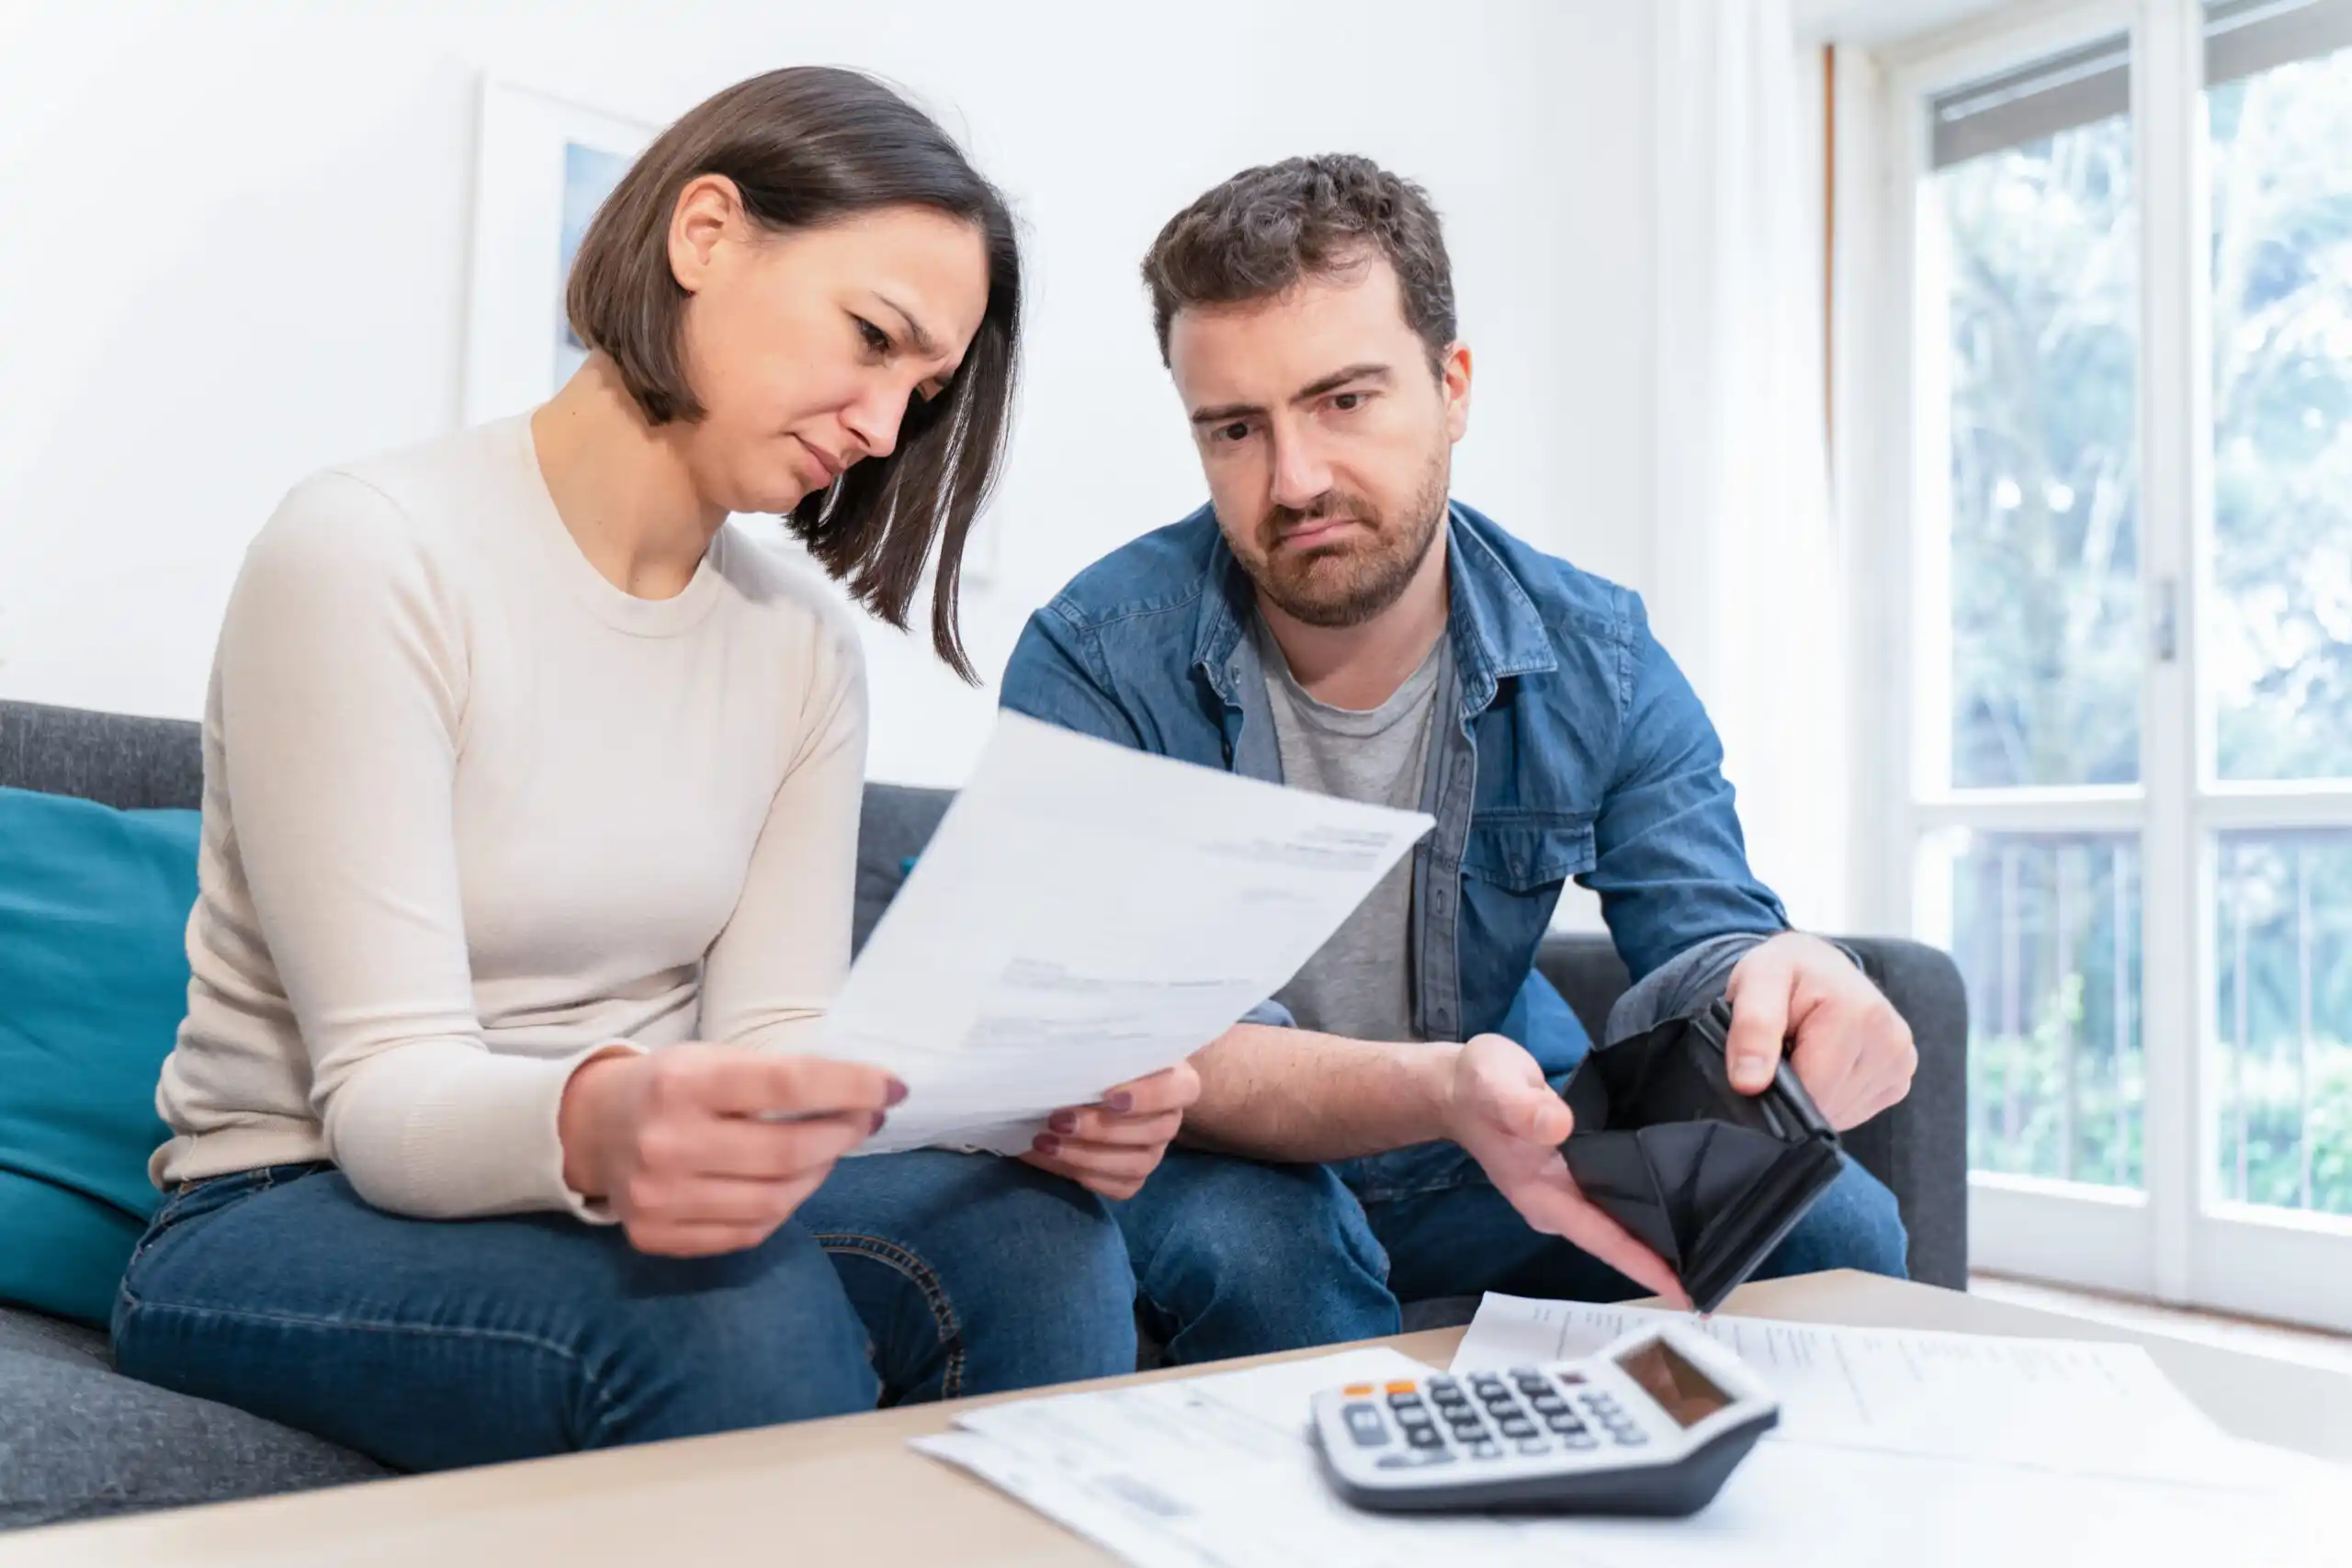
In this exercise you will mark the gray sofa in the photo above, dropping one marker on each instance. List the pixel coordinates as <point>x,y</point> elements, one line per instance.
<point>77,1440</point>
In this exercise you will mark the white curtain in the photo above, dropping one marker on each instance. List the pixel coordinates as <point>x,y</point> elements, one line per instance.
<point>1746,589</point>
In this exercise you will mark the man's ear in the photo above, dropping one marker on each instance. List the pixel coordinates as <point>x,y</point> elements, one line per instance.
<point>707,208</point>
<point>1454,380</point>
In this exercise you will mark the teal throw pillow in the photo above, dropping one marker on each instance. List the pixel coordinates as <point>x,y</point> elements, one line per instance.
<point>93,907</point>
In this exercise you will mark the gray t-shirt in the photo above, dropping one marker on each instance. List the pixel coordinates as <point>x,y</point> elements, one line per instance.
<point>1359,984</point>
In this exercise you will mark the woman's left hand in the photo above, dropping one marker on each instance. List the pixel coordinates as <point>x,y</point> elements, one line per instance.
<point>1111,1148</point>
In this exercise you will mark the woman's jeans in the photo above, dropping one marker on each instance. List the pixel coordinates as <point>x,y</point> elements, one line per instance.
<point>431,1343</point>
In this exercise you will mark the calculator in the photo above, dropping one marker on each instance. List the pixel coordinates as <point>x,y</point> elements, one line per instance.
<point>1654,1425</point>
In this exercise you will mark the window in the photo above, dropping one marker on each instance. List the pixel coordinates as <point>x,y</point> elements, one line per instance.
<point>2129,521</point>
<point>2275,661</point>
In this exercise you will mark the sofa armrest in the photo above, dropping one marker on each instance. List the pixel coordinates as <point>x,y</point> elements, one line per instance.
<point>1919,1148</point>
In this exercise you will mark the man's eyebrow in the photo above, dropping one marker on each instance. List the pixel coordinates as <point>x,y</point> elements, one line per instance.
<point>924,344</point>
<point>1370,370</point>
<point>1221,412</point>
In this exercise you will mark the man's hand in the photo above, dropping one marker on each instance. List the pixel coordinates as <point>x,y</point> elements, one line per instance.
<point>1508,1119</point>
<point>1854,1051</point>
<point>1111,1148</point>
<point>678,1141</point>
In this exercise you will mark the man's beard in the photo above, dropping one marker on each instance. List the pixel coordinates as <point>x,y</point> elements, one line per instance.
<point>1350,580</point>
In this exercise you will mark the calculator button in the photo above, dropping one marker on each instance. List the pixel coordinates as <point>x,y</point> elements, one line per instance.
<point>1632,1438</point>
<point>1569,1380</point>
<point>1365,1425</point>
<point>1579,1440</point>
<point>1485,1448</point>
<point>1357,1390</point>
<point>1401,1386</point>
<point>1517,1427</point>
<point>1415,1461</point>
<point>1487,1388</point>
<point>1564,1422</point>
<point>1534,1446</point>
<point>1548,1404</point>
<point>1425,1438</point>
<point>1440,1385</point>
<point>1404,1401</point>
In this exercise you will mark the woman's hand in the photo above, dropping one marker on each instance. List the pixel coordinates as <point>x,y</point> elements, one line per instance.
<point>1112,1146</point>
<point>677,1140</point>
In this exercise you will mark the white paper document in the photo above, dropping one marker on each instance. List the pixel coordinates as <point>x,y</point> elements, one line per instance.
<point>2067,1405</point>
<point>1219,1472</point>
<point>1087,914</point>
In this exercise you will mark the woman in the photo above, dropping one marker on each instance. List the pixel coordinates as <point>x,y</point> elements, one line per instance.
<point>531,801</point>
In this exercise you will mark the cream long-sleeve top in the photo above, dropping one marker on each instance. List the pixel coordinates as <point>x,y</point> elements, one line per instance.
<point>472,814</point>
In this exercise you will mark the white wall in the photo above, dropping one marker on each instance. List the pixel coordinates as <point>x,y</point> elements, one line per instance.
<point>236,235</point>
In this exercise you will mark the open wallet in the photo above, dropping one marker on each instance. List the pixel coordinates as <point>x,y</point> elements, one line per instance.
<point>1711,1178</point>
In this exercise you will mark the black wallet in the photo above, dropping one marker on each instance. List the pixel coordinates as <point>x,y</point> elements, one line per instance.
<point>1711,1178</point>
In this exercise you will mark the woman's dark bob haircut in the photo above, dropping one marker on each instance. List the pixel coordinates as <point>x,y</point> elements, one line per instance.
<point>806,147</point>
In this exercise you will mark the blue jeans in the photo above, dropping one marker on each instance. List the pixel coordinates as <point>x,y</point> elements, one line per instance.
<point>429,1344</point>
<point>1234,1257</point>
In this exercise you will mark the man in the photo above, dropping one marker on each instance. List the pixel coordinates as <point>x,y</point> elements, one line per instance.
<point>1386,1127</point>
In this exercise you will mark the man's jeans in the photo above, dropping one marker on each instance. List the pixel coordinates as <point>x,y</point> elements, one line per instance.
<point>1234,1257</point>
<point>429,1344</point>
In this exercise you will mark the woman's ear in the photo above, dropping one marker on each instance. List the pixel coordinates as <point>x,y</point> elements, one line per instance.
<point>708,209</point>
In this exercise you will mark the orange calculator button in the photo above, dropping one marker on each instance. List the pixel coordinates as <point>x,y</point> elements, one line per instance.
<point>1402,1387</point>
<point>1357,1390</point>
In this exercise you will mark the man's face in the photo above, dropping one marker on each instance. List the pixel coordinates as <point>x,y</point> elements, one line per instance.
<point>1327,440</point>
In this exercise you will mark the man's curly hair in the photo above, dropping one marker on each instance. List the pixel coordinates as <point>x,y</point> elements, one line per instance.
<point>1264,230</point>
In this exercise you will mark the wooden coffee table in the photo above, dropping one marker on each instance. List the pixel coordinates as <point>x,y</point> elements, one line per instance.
<point>848,1490</point>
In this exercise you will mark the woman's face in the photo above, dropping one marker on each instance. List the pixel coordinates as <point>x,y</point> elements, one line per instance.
<point>805,347</point>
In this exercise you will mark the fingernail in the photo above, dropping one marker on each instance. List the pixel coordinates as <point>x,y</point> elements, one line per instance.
<point>1754,1070</point>
<point>1118,1102</point>
<point>1047,1144</point>
<point>878,1119</point>
<point>1063,1121</point>
<point>897,1092</point>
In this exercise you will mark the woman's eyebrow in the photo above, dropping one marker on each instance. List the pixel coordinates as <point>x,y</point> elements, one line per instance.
<point>924,344</point>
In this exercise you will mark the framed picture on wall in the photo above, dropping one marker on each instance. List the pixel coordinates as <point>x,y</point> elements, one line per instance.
<point>542,166</point>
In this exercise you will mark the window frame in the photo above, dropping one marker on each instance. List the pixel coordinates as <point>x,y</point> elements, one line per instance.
<point>2174,1239</point>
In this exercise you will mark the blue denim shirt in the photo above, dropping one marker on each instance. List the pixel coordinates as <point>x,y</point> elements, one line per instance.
<point>1575,749</point>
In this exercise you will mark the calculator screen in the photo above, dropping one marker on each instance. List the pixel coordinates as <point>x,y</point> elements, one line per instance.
<point>1680,1389</point>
